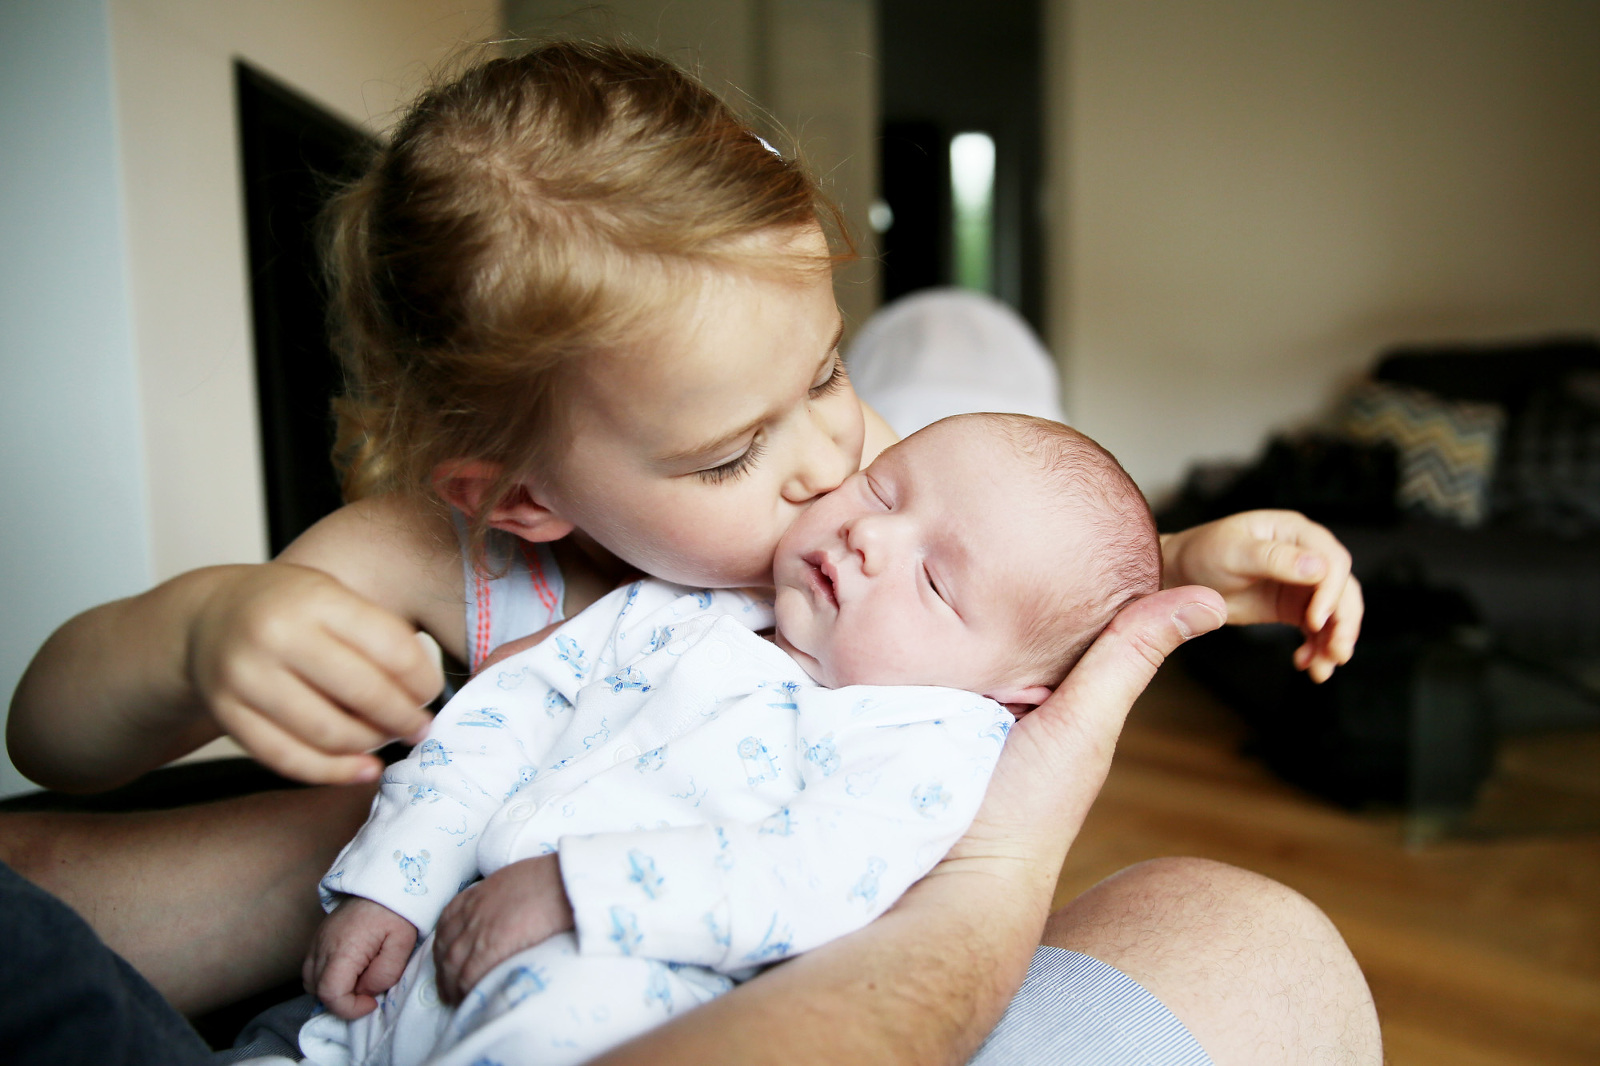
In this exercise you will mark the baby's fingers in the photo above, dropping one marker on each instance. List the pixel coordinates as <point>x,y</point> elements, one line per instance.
<point>336,984</point>
<point>384,970</point>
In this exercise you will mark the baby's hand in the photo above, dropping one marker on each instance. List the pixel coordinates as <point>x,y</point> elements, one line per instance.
<point>512,909</point>
<point>1276,566</point>
<point>306,674</point>
<point>358,954</point>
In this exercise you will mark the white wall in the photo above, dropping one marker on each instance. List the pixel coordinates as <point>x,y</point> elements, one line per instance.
<point>175,106</point>
<point>127,400</point>
<point>1250,199</point>
<point>72,503</point>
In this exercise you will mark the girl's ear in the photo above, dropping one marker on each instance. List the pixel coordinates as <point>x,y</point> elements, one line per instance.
<point>466,485</point>
<point>1019,701</point>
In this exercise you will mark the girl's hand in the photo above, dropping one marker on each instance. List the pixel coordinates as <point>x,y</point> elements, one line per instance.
<point>511,910</point>
<point>358,954</point>
<point>307,675</point>
<point>1275,566</point>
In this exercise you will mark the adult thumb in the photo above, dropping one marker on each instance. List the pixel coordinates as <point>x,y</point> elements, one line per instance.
<point>1103,685</point>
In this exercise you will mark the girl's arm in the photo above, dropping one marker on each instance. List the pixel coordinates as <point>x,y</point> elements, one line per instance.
<point>309,661</point>
<point>927,981</point>
<point>1275,566</point>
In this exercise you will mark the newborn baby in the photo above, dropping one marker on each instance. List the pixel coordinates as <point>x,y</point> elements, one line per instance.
<point>661,800</point>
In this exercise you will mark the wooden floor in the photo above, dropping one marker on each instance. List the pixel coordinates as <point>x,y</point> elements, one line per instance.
<point>1480,952</point>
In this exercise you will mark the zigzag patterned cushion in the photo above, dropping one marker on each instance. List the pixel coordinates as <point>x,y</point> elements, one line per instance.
<point>1447,448</point>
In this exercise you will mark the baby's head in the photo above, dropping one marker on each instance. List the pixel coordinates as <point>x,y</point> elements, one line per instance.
<point>985,552</point>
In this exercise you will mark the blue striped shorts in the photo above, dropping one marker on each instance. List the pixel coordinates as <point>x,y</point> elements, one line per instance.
<point>1074,1009</point>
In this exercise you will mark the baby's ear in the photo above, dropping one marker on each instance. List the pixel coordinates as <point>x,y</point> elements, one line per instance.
<point>1019,701</point>
<point>466,485</point>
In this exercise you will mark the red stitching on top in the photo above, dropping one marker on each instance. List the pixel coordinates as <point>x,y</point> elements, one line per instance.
<point>480,593</point>
<point>541,587</point>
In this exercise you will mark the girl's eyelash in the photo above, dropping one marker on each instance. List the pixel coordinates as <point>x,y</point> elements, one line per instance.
<point>741,464</point>
<point>733,468</point>
<point>836,380</point>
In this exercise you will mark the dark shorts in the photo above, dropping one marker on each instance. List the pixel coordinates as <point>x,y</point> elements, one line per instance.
<point>66,998</point>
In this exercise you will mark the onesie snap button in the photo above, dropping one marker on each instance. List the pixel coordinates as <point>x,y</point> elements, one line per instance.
<point>626,752</point>
<point>519,812</point>
<point>717,653</point>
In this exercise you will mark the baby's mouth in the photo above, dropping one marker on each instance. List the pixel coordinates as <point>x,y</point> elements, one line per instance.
<point>820,576</point>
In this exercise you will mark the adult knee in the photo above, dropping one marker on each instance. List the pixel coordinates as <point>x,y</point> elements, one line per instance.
<point>1255,970</point>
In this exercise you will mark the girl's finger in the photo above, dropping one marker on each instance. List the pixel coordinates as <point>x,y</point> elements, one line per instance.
<point>304,709</point>
<point>391,643</point>
<point>289,756</point>
<point>1346,622</point>
<point>364,692</point>
<point>1330,591</point>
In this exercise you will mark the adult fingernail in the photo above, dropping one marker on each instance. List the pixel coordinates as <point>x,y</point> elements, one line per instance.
<point>1308,565</point>
<point>1196,618</point>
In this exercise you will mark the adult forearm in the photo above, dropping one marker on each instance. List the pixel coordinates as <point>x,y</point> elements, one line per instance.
<point>108,697</point>
<point>923,984</point>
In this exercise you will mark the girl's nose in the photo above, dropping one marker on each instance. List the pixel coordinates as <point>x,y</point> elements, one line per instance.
<point>822,463</point>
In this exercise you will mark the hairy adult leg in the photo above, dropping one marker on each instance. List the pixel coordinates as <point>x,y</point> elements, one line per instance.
<point>210,903</point>
<point>1254,969</point>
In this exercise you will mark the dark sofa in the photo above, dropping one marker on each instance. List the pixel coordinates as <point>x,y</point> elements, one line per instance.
<point>1472,632</point>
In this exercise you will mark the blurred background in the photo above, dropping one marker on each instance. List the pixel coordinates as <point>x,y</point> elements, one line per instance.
<point>1342,256</point>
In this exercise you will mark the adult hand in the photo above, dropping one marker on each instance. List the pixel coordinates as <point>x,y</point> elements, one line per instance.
<point>1057,756</point>
<point>514,908</point>
<point>1276,566</point>
<point>307,675</point>
<point>358,954</point>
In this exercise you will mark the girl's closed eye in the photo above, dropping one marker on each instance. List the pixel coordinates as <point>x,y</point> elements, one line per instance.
<point>736,467</point>
<point>834,381</point>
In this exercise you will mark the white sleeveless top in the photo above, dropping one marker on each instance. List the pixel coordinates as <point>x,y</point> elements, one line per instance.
<point>518,591</point>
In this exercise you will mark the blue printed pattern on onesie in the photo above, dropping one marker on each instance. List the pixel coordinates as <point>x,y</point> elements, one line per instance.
<point>867,888</point>
<point>414,868</point>
<point>759,765</point>
<point>567,651</point>
<point>642,872</point>
<point>759,855</point>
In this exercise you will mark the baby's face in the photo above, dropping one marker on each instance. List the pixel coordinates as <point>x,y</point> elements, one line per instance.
<point>923,569</point>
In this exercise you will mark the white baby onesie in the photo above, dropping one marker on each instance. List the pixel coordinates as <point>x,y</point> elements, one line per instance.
<point>713,807</point>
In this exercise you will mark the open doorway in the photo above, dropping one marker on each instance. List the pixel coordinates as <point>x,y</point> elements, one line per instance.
<point>961,148</point>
